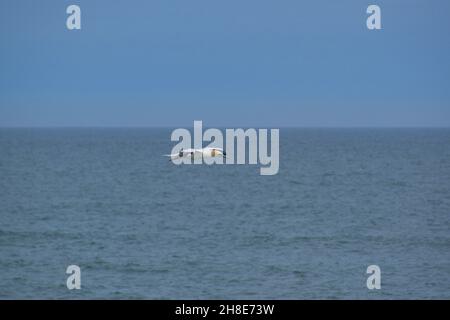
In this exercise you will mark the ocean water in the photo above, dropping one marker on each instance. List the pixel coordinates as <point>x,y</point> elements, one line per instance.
<point>140,227</point>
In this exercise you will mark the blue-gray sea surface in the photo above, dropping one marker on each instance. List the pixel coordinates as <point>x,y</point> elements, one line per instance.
<point>141,227</point>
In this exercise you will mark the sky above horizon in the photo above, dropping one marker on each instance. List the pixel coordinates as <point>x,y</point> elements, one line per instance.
<point>228,63</point>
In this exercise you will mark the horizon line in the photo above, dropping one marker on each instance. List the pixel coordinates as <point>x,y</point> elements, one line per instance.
<point>225,127</point>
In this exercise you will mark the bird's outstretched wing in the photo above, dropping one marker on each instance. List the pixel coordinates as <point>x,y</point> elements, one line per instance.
<point>183,153</point>
<point>172,156</point>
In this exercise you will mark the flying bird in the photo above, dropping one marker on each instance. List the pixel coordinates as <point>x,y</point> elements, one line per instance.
<point>198,153</point>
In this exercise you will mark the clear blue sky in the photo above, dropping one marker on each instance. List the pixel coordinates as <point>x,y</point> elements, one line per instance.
<point>226,62</point>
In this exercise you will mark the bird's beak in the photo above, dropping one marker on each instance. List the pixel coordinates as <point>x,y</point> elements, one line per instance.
<point>224,154</point>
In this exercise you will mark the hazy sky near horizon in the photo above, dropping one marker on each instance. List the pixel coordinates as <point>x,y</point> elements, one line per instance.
<point>229,63</point>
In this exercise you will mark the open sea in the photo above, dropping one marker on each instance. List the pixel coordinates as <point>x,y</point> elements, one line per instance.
<point>141,227</point>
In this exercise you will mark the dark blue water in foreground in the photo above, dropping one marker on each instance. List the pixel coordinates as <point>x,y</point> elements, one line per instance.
<point>141,227</point>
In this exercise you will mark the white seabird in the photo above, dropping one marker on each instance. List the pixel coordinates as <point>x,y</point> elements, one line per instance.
<point>198,153</point>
